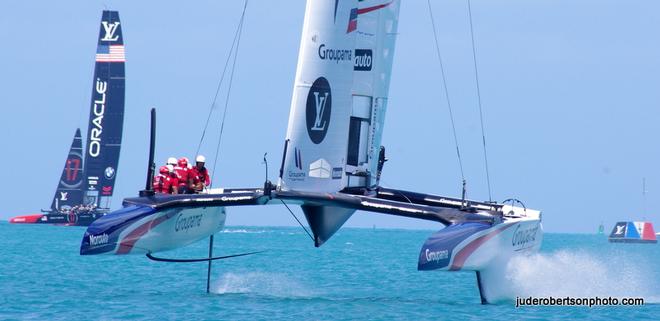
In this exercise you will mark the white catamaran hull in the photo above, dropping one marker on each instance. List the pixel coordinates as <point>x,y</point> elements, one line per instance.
<point>498,243</point>
<point>486,249</point>
<point>152,231</point>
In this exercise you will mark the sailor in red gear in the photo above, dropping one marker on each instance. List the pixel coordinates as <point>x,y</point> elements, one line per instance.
<point>163,182</point>
<point>174,180</point>
<point>199,176</point>
<point>182,172</point>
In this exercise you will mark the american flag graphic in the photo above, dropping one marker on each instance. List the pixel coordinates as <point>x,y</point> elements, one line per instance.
<point>110,53</point>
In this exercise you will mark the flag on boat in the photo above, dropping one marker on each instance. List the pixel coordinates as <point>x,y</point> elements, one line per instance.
<point>110,53</point>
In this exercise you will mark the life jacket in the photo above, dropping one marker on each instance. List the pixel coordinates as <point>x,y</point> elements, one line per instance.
<point>183,174</point>
<point>162,184</point>
<point>200,176</point>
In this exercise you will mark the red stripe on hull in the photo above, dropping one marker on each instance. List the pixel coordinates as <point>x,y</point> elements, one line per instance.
<point>129,241</point>
<point>26,219</point>
<point>465,252</point>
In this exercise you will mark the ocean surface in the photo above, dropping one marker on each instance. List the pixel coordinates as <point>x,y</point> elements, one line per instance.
<point>359,274</point>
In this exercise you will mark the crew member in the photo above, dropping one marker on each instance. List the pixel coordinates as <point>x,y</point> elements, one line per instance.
<point>171,161</point>
<point>162,182</point>
<point>199,177</point>
<point>174,180</point>
<point>182,172</point>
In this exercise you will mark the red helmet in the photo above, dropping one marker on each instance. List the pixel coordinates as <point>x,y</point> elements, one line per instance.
<point>164,170</point>
<point>183,162</point>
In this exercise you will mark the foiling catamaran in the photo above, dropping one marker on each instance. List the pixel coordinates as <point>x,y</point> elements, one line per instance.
<point>85,188</point>
<point>332,163</point>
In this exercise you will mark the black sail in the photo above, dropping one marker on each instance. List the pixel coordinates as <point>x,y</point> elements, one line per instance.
<point>106,113</point>
<point>69,191</point>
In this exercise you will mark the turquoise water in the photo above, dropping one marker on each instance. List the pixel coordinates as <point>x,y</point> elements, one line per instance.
<point>358,274</point>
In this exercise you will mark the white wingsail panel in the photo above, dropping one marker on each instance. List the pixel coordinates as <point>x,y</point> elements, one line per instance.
<point>374,53</point>
<point>317,135</point>
<point>328,94</point>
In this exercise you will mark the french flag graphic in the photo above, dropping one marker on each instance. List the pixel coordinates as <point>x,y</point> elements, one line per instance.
<point>352,21</point>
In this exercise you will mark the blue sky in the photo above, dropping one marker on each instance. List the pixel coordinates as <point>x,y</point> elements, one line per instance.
<point>570,93</point>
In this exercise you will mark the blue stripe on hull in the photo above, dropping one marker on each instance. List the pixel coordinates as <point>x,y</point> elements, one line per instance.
<point>102,236</point>
<point>438,250</point>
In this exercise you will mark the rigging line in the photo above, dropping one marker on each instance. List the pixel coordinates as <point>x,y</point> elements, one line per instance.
<point>644,198</point>
<point>231,78</point>
<point>444,83</point>
<point>399,193</point>
<point>481,114</point>
<point>297,220</point>
<point>222,77</point>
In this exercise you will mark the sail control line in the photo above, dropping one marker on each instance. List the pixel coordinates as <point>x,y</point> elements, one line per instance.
<point>481,114</point>
<point>149,192</point>
<point>234,44</point>
<point>451,114</point>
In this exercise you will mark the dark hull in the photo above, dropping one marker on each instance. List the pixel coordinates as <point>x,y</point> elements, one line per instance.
<point>83,219</point>
<point>622,240</point>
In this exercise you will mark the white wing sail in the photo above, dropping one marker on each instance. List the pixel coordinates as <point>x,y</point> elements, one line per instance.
<point>374,53</point>
<point>317,135</point>
<point>339,96</point>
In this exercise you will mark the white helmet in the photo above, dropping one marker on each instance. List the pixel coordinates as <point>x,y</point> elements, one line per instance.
<point>171,161</point>
<point>200,159</point>
<point>170,168</point>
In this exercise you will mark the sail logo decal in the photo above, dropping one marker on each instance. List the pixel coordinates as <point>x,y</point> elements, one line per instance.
<point>106,190</point>
<point>352,21</point>
<point>298,159</point>
<point>373,8</point>
<point>318,110</point>
<point>109,172</point>
<point>336,55</point>
<point>620,229</point>
<point>337,172</point>
<point>64,196</point>
<point>110,53</point>
<point>97,123</point>
<point>353,17</point>
<point>298,173</point>
<point>70,177</point>
<point>363,60</point>
<point>320,169</point>
<point>110,29</point>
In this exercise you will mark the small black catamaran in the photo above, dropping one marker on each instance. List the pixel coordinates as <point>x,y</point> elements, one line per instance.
<point>85,188</point>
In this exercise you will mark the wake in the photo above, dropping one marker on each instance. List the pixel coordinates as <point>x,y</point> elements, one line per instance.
<point>582,274</point>
<point>260,283</point>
